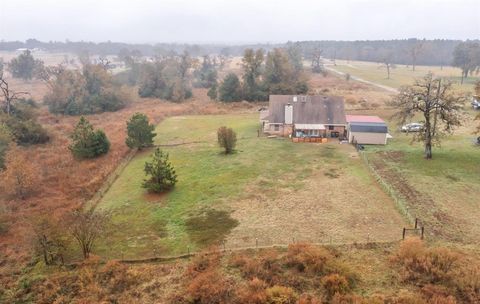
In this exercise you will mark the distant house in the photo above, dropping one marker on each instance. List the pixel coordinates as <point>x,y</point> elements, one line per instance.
<point>367,130</point>
<point>304,116</point>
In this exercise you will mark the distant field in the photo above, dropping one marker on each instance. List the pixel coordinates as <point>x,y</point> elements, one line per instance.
<point>271,190</point>
<point>402,75</point>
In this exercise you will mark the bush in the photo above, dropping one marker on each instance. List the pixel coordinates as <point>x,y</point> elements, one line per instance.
<point>162,176</point>
<point>20,177</point>
<point>305,257</point>
<point>281,295</point>
<point>254,292</point>
<point>424,265</point>
<point>212,92</point>
<point>5,140</point>
<point>86,142</point>
<point>333,284</point>
<point>91,90</point>
<point>139,132</point>
<point>26,131</point>
<point>227,139</point>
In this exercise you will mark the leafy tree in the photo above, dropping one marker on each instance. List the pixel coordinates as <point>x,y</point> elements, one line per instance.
<point>466,56</point>
<point>212,92</point>
<point>2,66</point>
<point>230,89</point>
<point>206,76</point>
<point>160,173</point>
<point>281,77</point>
<point>227,139</point>
<point>435,100</point>
<point>166,78</point>
<point>252,70</point>
<point>139,132</point>
<point>20,177</point>
<point>294,52</point>
<point>87,142</point>
<point>25,66</point>
<point>91,90</point>
<point>86,227</point>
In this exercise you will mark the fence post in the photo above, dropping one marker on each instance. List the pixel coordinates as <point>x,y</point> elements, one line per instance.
<point>403,234</point>
<point>423,230</point>
<point>256,243</point>
<point>416,223</point>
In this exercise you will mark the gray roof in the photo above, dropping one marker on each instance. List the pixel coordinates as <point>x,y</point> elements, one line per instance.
<point>369,127</point>
<point>308,109</point>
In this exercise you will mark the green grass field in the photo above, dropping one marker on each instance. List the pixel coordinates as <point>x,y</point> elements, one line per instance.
<point>207,179</point>
<point>444,191</point>
<point>212,186</point>
<point>402,75</point>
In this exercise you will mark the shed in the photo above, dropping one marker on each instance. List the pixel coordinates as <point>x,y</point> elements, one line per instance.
<point>367,130</point>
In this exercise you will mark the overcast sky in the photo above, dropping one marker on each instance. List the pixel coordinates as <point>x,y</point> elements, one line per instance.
<point>233,21</point>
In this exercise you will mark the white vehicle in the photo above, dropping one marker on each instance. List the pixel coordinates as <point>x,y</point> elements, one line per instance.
<point>476,102</point>
<point>412,127</point>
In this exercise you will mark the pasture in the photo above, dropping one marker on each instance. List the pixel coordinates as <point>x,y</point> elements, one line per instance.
<point>402,74</point>
<point>270,191</point>
<point>444,191</point>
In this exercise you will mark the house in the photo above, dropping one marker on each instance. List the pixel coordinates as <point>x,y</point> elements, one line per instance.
<point>305,116</point>
<point>367,130</point>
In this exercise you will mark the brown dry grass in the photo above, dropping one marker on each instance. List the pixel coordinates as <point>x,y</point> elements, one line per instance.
<point>66,183</point>
<point>348,207</point>
<point>357,95</point>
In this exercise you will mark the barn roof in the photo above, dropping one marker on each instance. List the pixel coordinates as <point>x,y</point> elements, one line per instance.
<point>308,109</point>
<point>368,127</point>
<point>363,118</point>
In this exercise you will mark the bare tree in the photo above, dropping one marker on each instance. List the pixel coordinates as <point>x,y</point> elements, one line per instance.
<point>416,49</point>
<point>438,104</point>
<point>49,239</point>
<point>388,64</point>
<point>9,95</point>
<point>86,227</point>
<point>317,63</point>
<point>104,62</point>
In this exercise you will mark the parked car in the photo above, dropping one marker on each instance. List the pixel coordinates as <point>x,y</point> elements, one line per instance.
<point>412,127</point>
<point>476,103</point>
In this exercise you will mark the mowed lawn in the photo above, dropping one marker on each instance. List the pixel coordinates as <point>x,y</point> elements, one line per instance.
<point>403,75</point>
<point>444,191</point>
<point>271,190</point>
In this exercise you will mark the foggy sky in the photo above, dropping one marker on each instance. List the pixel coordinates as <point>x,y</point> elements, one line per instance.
<point>234,21</point>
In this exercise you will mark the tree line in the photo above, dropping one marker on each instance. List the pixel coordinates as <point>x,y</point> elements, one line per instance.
<point>406,51</point>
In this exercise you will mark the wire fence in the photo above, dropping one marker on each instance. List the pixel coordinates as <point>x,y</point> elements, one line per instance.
<point>159,255</point>
<point>400,203</point>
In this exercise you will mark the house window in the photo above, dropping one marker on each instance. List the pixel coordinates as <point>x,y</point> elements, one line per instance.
<point>331,128</point>
<point>276,127</point>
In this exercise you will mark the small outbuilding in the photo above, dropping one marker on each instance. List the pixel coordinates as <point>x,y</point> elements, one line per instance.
<point>367,130</point>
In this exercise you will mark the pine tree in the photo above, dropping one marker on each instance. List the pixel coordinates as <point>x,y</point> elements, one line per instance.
<point>160,172</point>
<point>230,89</point>
<point>212,92</point>
<point>140,132</point>
<point>87,142</point>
